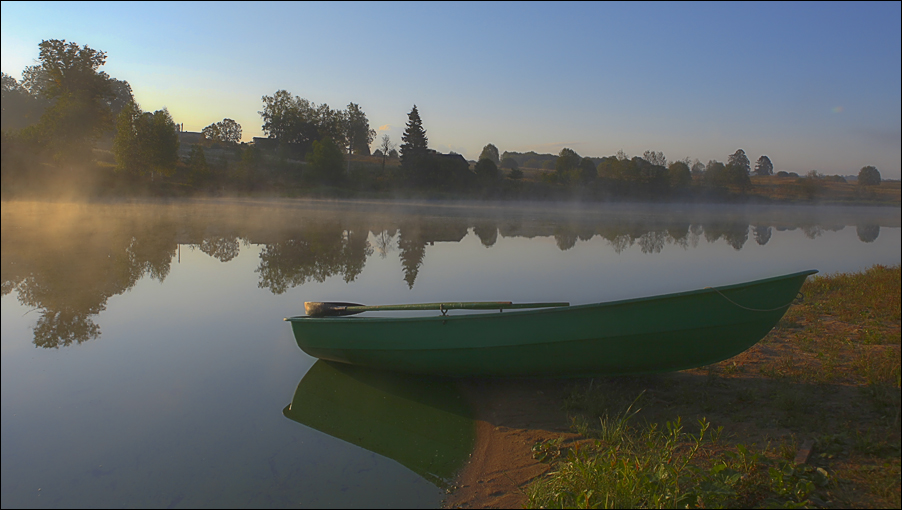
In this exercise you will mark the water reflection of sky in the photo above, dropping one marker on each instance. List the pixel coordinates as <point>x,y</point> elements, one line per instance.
<point>522,269</point>
<point>177,400</point>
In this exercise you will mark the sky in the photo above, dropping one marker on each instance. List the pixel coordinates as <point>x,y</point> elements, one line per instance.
<point>812,85</point>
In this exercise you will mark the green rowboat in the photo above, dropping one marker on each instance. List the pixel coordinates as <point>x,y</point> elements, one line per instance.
<point>634,336</point>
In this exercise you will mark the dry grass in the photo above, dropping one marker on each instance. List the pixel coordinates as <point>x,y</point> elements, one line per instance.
<point>824,190</point>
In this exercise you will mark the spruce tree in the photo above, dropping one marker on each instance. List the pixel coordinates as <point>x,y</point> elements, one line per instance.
<point>414,138</point>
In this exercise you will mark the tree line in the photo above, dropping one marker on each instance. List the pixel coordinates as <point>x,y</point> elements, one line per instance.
<point>65,108</point>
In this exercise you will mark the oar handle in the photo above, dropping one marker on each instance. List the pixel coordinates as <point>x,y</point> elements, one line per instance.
<point>480,305</point>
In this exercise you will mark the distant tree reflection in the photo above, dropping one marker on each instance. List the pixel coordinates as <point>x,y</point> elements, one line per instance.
<point>565,237</point>
<point>313,254</point>
<point>653,242</point>
<point>867,233</point>
<point>412,246</point>
<point>762,234</point>
<point>57,328</point>
<point>385,240</point>
<point>812,231</point>
<point>679,233</point>
<point>355,250</point>
<point>221,248</point>
<point>487,232</point>
<point>620,242</point>
<point>735,234</point>
<point>414,235</point>
<point>70,273</point>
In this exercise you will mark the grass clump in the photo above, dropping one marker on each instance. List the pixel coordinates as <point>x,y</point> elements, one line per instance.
<point>667,467</point>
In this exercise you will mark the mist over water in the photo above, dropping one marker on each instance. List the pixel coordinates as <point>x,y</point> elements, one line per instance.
<point>145,362</point>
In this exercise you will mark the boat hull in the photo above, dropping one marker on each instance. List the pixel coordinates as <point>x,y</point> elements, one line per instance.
<point>636,336</point>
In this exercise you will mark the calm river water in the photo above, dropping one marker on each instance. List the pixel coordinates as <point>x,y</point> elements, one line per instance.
<point>145,361</point>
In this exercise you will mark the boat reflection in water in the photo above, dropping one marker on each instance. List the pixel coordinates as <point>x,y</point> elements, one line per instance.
<point>421,422</point>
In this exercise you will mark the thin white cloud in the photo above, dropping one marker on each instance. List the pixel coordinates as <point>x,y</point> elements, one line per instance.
<point>385,127</point>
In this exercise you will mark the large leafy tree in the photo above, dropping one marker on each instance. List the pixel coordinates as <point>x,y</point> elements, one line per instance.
<point>67,69</point>
<point>81,96</point>
<point>715,173</point>
<point>868,176</point>
<point>739,161</point>
<point>763,166</point>
<point>680,174</point>
<point>490,152</point>
<point>331,124</point>
<point>226,130</point>
<point>289,119</point>
<point>414,139</point>
<point>122,95</point>
<point>738,169</point>
<point>35,80</point>
<point>36,85</point>
<point>565,164</point>
<point>296,120</point>
<point>487,172</point>
<point>655,158</point>
<point>145,143</point>
<point>20,107</point>
<point>358,132</point>
<point>734,173</point>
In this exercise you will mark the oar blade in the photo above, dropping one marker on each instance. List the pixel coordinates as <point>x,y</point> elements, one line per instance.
<point>332,309</point>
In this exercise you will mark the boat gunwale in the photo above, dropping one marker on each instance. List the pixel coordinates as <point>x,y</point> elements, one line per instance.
<point>620,302</point>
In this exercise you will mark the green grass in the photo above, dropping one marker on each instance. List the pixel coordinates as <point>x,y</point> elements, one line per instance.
<point>828,373</point>
<point>667,467</point>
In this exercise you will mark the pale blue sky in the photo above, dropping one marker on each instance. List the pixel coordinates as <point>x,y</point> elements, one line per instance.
<point>815,86</point>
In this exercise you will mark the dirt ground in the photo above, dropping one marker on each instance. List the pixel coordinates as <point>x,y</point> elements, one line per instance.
<point>513,416</point>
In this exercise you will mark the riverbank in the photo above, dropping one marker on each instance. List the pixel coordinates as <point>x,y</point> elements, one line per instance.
<point>822,390</point>
<point>275,178</point>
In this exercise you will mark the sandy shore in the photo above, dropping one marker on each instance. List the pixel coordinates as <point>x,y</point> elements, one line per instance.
<point>513,415</point>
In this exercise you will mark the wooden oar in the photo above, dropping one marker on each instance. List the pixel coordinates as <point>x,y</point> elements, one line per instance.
<point>334,309</point>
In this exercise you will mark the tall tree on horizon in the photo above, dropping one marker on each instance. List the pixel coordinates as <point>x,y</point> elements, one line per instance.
<point>869,176</point>
<point>566,162</point>
<point>414,137</point>
<point>490,152</point>
<point>289,119</point>
<point>359,135</point>
<point>739,161</point>
<point>413,248</point>
<point>763,166</point>
<point>737,170</point>
<point>655,158</point>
